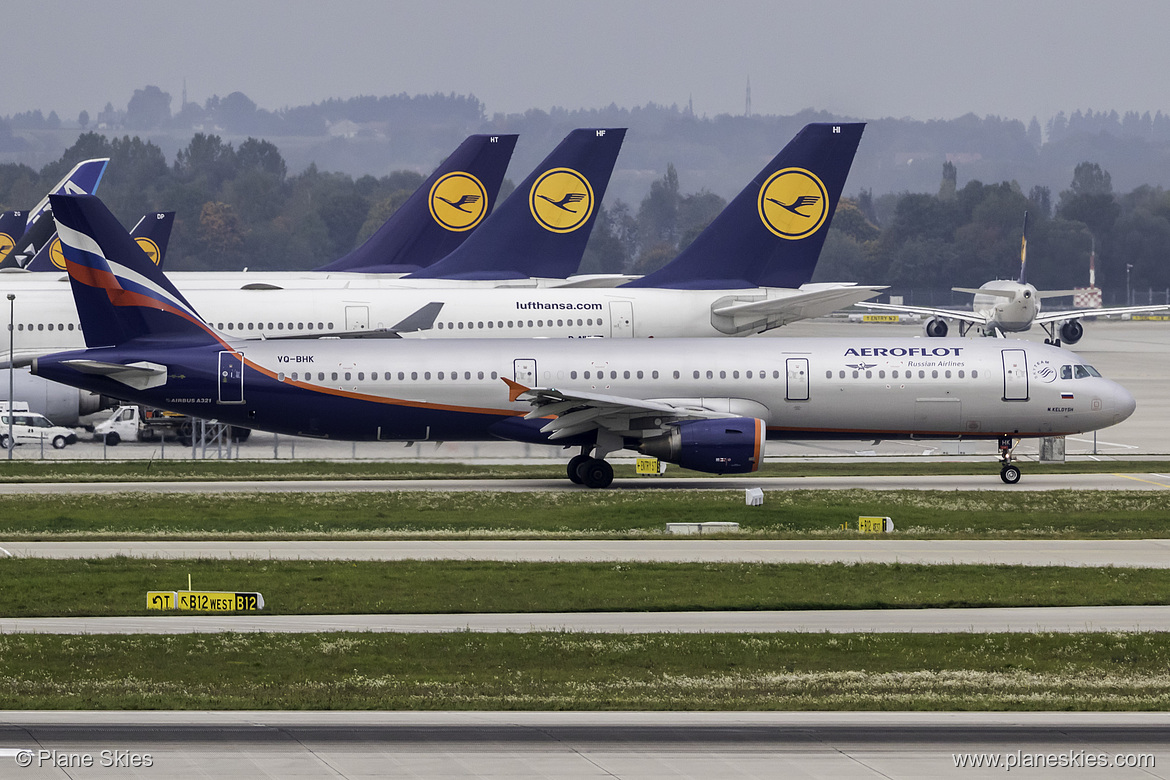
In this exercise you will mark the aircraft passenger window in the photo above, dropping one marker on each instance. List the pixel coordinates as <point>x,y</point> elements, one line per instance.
<point>279,326</point>
<point>696,375</point>
<point>960,374</point>
<point>440,326</point>
<point>467,375</point>
<point>71,326</point>
<point>828,375</point>
<point>722,374</point>
<point>710,374</point>
<point>41,326</point>
<point>241,326</point>
<point>560,323</point>
<point>855,374</point>
<point>589,321</point>
<point>1082,372</point>
<point>509,323</point>
<point>579,323</point>
<point>361,376</point>
<point>334,377</point>
<point>587,374</point>
<point>494,375</point>
<point>479,325</point>
<point>347,376</point>
<point>270,326</point>
<point>974,374</point>
<point>294,376</point>
<point>491,324</point>
<point>921,374</point>
<point>481,375</point>
<point>572,375</point>
<point>894,373</point>
<point>735,375</point>
<point>748,374</point>
<point>321,376</point>
<point>625,375</point>
<point>280,376</point>
<point>310,326</point>
<point>401,376</point>
<point>881,375</point>
<point>426,375</point>
<point>529,324</point>
<point>50,326</point>
<point>599,322</point>
<point>613,375</point>
<point>947,374</point>
<point>461,326</point>
<point>639,374</point>
<point>842,375</point>
<point>500,324</point>
<point>414,375</point>
<point>440,375</point>
<point>775,374</point>
<point>676,375</point>
<point>934,374</point>
<point>20,326</point>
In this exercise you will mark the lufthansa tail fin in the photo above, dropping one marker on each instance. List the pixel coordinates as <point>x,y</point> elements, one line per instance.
<point>120,293</point>
<point>152,233</point>
<point>771,234</point>
<point>441,213</point>
<point>542,229</point>
<point>11,228</point>
<point>38,231</point>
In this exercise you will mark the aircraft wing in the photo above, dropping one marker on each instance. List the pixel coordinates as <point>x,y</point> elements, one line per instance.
<point>423,319</point>
<point>578,412</point>
<point>805,303</point>
<point>953,314</point>
<point>1072,314</point>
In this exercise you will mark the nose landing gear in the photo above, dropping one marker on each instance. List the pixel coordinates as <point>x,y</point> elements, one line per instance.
<point>1008,472</point>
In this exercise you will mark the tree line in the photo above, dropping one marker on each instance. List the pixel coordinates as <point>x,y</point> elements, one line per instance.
<point>238,206</point>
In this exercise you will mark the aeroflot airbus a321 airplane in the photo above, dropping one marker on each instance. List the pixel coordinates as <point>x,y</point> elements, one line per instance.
<point>706,404</point>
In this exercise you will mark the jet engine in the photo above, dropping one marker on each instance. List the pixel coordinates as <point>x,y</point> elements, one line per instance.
<point>1071,331</point>
<point>731,446</point>
<point>935,327</point>
<point>60,403</point>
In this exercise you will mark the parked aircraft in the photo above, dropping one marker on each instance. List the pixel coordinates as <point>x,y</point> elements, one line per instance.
<point>711,289</point>
<point>11,228</point>
<point>1005,306</point>
<point>705,404</point>
<point>83,179</point>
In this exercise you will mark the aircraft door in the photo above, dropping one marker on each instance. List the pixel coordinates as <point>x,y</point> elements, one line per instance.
<point>231,378</point>
<point>797,388</point>
<point>621,319</point>
<point>1015,375</point>
<point>524,370</point>
<point>357,318</point>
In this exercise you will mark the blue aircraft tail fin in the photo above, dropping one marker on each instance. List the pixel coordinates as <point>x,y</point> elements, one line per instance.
<point>440,214</point>
<point>11,228</point>
<point>152,233</point>
<point>38,231</point>
<point>120,293</point>
<point>542,229</point>
<point>1024,252</point>
<point>771,234</point>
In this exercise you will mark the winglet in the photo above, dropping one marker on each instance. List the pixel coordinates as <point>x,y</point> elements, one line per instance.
<point>515,389</point>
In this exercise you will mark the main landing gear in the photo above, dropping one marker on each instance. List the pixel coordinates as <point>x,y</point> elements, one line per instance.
<point>1008,472</point>
<point>589,471</point>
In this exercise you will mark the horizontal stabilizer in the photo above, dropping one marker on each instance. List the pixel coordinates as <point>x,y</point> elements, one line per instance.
<point>986,291</point>
<point>140,376</point>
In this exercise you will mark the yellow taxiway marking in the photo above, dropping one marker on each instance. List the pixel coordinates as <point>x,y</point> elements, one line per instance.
<point>1147,481</point>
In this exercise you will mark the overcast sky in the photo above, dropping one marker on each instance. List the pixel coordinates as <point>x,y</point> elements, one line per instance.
<point>924,59</point>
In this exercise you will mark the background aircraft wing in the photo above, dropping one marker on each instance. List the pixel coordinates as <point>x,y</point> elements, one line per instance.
<point>578,412</point>
<point>952,314</point>
<point>1072,314</point>
<point>799,305</point>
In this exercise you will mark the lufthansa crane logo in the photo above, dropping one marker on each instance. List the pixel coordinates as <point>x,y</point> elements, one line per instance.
<point>56,254</point>
<point>6,244</point>
<point>458,201</point>
<point>793,203</point>
<point>561,200</point>
<point>150,248</point>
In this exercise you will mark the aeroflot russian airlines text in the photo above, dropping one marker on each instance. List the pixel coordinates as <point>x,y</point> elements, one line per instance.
<point>904,351</point>
<point>540,305</point>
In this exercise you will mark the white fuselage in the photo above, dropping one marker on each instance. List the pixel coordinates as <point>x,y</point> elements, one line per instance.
<point>801,388</point>
<point>1011,314</point>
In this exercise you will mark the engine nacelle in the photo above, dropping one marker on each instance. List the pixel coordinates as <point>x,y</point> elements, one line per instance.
<point>1071,331</point>
<point>60,403</point>
<point>935,327</point>
<point>731,446</point>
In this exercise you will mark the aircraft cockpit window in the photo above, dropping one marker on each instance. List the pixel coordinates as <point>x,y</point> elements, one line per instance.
<point>1092,371</point>
<point>1080,372</point>
<point>1066,372</point>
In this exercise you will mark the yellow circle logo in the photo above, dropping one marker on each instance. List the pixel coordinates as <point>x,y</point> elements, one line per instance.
<point>793,203</point>
<point>56,254</point>
<point>150,248</point>
<point>561,200</point>
<point>6,244</point>
<point>458,201</point>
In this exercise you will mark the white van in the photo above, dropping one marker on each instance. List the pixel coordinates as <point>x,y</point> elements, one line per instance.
<point>33,428</point>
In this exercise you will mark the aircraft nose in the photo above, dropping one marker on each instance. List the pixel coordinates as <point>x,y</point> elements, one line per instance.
<point>1124,403</point>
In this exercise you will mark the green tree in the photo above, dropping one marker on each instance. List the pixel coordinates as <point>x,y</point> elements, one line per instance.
<point>149,109</point>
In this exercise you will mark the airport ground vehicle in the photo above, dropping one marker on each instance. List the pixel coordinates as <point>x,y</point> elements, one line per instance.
<point>31,428</point>
<point>145,423</point>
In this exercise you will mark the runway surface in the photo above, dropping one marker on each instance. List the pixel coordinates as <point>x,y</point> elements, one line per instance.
<point>1152,481</point>
<point>813,745</point>
<point>1149,553</point>
<point>931,621</point>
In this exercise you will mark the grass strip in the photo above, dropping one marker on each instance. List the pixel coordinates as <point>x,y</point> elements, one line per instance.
<point>118,586</point>
<point>147,470</point>
<point>565,671</point>
<point>788,514</point>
